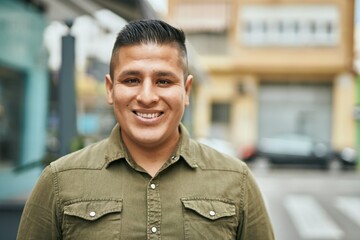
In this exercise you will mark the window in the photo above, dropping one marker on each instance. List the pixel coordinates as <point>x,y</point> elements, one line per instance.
<point>206,25</point>
<point>11,115</point>
<point>220,120</point>
<point>209,43</point>
<point>289,25</point>
<point>220,113</point>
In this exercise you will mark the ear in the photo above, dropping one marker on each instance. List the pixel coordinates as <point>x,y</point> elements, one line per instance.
<point>109,89</point>
<point>188,85</point>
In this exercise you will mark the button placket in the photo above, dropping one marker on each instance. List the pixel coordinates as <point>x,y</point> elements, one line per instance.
<point>154,210</point>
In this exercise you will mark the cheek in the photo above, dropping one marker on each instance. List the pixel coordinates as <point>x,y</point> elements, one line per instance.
<point>122,96</point>
<point>179,102</point>
<point>175,98</point>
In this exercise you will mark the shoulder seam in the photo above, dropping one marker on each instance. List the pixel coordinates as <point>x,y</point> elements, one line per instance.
<point>57,194</point>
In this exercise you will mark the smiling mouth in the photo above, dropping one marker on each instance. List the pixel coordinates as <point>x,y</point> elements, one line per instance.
<point>149,115</point>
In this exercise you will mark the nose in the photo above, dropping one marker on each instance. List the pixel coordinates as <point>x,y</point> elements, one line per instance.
<point>147,94</point>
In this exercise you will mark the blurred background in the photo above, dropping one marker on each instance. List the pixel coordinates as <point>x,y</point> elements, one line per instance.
<point>276,85</point>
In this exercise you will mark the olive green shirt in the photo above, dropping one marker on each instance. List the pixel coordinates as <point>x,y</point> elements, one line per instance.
<point>99,192</point>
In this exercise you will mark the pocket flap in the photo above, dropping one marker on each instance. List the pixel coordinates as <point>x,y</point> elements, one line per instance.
<point>210,208</point>
<point>93,209</point>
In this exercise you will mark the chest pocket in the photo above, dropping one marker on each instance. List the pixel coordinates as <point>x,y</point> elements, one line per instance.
<point>209,219</point>
<point>92,219</point>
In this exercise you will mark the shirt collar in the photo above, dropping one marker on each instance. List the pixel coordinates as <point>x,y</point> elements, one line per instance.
<point>116,149</point>
<point>186,148</point>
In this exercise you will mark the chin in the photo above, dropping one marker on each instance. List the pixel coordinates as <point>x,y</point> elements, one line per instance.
<point>148,137</point>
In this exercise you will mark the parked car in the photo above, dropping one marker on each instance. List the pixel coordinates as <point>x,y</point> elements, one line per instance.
<point>347,157</point>
<point>295,148</point>
<point>245,153</point>
<point>220,145</point>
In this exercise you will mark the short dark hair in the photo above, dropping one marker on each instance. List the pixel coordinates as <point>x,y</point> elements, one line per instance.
<point>149,31</point>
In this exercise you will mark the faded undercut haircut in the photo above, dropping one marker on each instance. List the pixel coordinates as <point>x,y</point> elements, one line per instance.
<point>149,31</point>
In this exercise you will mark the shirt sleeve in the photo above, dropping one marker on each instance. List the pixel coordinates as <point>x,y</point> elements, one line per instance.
<point>256,223</point>
<point>39,218</point>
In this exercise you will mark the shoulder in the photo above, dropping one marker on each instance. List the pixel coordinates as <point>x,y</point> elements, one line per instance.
<point>211,159</point>
<point>90,157</point>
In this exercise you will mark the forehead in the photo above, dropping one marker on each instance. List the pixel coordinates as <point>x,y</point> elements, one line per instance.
<point>145,51</point>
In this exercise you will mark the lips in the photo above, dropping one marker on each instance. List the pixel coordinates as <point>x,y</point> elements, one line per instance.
<point>148,115</point>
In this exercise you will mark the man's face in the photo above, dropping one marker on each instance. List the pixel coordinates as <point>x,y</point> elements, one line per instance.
<point>148,93</point>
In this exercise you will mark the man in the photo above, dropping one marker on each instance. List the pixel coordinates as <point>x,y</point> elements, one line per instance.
<point>148,180</point>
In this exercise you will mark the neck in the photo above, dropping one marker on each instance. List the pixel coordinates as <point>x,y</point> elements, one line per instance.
<point>151,157</point>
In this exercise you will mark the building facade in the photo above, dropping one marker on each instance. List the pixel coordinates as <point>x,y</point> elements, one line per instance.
<point>274,66</point>
<point>23,93</point>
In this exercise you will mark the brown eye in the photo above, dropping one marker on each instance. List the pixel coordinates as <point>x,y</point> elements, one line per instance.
<point>131,81</point>
<point>163,82</point>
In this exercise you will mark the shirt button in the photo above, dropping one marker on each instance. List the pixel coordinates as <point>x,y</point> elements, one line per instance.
<point>173,157</point>
<point>153,186</point>
<point>92,214</point>
<point>212,213</point>
<point>153,229</point>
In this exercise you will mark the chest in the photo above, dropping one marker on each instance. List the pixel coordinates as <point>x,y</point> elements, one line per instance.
<point>176,204</point>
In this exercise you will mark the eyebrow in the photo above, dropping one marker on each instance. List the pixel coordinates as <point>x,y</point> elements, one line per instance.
<point>138,73</point>
<point>165,74</point>
<point>130,73</point>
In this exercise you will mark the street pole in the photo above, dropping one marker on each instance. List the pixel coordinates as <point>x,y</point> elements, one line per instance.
<point>67,99</point>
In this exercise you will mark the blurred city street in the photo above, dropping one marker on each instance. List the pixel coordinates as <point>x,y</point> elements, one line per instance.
<point>308,204</point>
<point>276,79</point>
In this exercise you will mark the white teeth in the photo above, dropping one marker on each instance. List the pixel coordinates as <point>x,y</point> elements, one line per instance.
<point>148,115</point>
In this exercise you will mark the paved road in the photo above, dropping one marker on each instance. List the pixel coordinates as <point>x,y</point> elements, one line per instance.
<point>311,204</point>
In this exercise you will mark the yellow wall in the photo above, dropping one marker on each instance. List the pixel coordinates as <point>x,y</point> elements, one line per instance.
<point>344,123</point>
